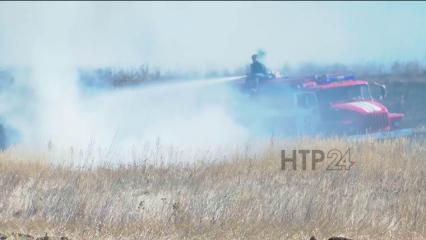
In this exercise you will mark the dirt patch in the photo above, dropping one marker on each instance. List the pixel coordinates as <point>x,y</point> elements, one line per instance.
<point>23,236</point>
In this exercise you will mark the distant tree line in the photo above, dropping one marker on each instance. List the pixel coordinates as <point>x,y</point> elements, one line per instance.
<point>113,77</point>
<point>119,77</point>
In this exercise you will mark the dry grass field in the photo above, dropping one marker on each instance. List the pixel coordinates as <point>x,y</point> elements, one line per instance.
<point>239,194</point>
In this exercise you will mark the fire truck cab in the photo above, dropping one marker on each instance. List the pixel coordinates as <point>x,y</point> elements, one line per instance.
<point>325,105</point>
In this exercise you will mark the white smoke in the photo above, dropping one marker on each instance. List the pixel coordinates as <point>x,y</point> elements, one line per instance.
<point>54,39</point>
<point>59,38</point>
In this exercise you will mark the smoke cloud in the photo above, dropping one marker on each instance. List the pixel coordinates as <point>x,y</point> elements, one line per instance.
<point>56,40</point>
<point>52,41</point>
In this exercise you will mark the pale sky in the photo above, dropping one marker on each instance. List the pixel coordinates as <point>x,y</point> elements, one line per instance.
<point>197,35</point>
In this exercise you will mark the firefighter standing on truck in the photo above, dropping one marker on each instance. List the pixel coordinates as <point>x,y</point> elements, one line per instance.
<point>258,73</point>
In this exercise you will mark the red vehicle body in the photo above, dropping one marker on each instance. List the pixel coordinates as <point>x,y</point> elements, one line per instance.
<point>356,114</point>
<point>342,105</point>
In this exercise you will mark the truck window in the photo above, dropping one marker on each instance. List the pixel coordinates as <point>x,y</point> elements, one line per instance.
<point>344,94</point>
